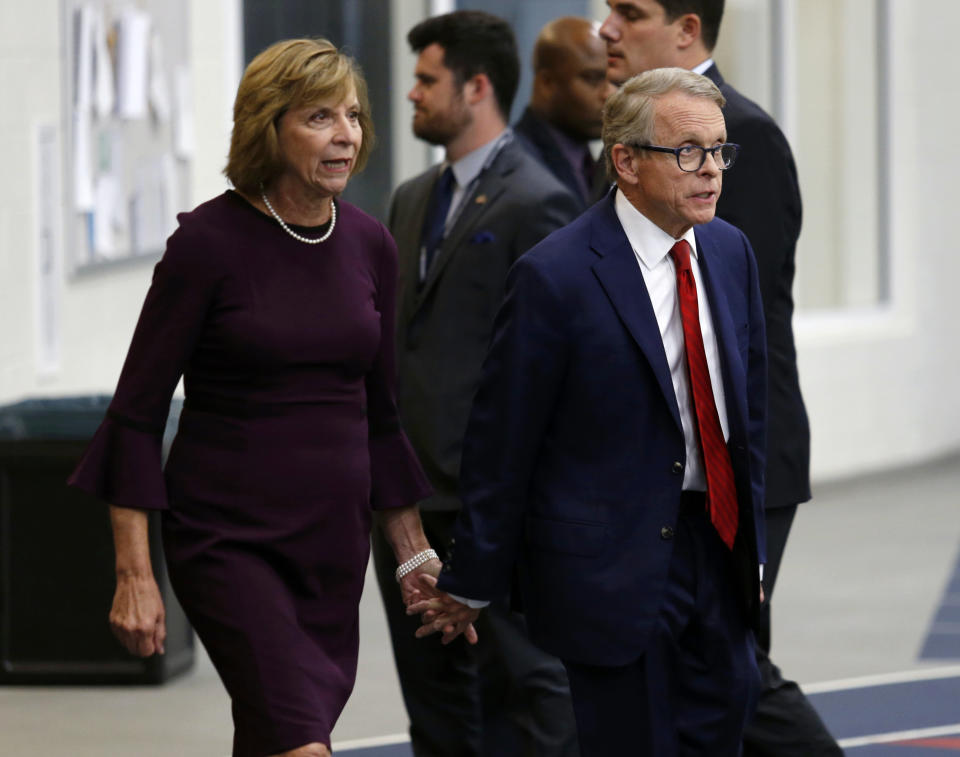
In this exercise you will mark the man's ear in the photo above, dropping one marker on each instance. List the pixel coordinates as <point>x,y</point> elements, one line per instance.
<point>624,163</point>
<point>476,88</point>
<point>545,81</point>
<point>543,87</point>
<point>688,30</point>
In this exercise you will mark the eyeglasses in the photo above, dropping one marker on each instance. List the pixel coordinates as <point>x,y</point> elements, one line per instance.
<point>690,158</point>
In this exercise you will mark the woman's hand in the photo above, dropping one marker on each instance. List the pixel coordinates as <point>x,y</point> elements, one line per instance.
<point>137,617</point>
<point>410,587</point>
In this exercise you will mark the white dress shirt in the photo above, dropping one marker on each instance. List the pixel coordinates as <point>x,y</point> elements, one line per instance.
<point>652,245</point>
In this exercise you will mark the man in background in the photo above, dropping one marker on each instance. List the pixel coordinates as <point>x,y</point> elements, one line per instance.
<point>563,117</point>
<point>459,227</point>
<point>761,196</point>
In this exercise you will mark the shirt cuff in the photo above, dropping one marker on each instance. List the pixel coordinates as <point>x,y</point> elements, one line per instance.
<point>473,604</point>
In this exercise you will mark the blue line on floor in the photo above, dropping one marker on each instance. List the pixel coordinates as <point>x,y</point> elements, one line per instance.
<point>943,638</point>
<point>848,713</point>
<point>890,707</point>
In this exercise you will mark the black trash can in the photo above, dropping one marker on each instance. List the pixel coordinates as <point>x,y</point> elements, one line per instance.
<point>57,561</point>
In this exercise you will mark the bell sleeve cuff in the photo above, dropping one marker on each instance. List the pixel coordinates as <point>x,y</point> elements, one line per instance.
<point>398,480</point>
<point>122,465</point>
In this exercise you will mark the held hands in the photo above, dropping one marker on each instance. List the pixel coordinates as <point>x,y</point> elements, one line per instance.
<point>410,583</point>
<point>441,612</point>
<point>417,575</point>
<point>137,617</point>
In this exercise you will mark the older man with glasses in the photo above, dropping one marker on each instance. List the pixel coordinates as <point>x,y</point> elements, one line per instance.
<point>615,453</point>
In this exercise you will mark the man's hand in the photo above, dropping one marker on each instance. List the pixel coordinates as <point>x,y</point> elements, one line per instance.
<point>441,612</point>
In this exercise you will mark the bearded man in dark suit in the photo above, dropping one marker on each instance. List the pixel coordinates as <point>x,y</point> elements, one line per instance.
<point>459,226</point>
<point>762,198</point>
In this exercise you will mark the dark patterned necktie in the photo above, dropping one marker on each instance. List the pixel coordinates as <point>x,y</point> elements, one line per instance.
<point>721,489</point>
<point>432,235</point>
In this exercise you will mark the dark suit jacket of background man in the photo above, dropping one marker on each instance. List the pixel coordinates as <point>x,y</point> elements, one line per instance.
<point>534,135</point>
<point>443,332</point>
<point>574,456</point>
<point>444,326</point>
<point>761,196</point>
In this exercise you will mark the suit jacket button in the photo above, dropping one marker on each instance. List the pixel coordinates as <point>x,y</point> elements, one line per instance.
<point>446,567</point>
<point>666,533</point>
<point>677,467</point>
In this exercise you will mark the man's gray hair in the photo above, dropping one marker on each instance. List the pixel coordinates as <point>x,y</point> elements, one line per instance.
<point>628,114</point>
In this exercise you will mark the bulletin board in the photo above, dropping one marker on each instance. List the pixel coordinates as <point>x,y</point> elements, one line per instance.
<point>129,132</point>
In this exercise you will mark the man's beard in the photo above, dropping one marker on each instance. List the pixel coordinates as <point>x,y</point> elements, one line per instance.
<point>442,129</point>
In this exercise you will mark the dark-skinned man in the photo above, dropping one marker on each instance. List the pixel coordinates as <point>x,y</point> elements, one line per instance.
<point>563,116</point>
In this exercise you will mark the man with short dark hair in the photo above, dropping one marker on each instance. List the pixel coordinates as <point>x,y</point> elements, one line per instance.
<point>563,117</point>
<point>615,451</point>
<point>762,198</point>
<point>459,227</point>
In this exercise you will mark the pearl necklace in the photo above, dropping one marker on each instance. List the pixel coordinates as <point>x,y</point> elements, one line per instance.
<point>291,232</point>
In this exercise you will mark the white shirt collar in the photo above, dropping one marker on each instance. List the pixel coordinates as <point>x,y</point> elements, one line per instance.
<point>650,243</point>
<point>467,168</point>
<point>702,67</point>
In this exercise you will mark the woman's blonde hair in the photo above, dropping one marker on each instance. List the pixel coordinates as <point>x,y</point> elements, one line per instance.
<point>288,74</point>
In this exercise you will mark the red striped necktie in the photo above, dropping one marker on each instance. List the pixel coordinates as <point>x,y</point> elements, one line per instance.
<point>721,489</point>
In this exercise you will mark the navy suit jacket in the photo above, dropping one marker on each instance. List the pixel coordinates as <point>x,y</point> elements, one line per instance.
<point>574,455</point>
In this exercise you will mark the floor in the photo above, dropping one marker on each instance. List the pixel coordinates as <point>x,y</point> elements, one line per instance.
<point>867,618</point>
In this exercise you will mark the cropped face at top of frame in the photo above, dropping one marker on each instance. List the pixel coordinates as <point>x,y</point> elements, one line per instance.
<point>638,37</point>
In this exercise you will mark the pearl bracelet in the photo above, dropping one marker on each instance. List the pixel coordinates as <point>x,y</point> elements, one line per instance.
<point>415,562</point>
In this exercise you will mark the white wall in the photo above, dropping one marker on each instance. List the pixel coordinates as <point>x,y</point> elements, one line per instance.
<point>29,95</point>
<point>878,384</point>
<point>98,310</point>
<point>410,155</point>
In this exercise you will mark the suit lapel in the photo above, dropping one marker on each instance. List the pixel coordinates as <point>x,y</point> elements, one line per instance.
<point>734,379</point>
<point>407,235</point>
<point>490,187</point>
<point>619,274</point>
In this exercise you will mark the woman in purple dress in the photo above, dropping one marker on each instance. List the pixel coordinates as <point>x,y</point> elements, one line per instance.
<point>275,302</point>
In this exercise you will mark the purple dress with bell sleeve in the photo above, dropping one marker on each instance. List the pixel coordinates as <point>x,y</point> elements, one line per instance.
<point>287,441</point>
